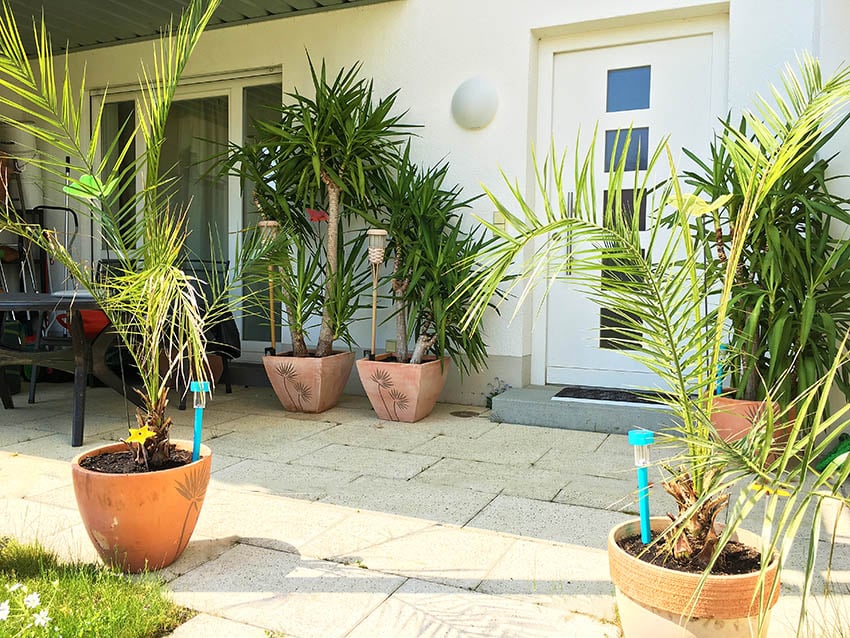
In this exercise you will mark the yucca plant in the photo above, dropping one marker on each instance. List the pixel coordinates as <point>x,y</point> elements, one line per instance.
<point>674,309</point>
<point>323,150</point>
<point>152,303</point>
<point>427,250</point>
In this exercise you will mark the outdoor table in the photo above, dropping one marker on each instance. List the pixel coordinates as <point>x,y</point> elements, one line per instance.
<point>76,360</point>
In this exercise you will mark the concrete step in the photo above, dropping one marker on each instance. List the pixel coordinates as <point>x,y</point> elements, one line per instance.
<point>533,405</point>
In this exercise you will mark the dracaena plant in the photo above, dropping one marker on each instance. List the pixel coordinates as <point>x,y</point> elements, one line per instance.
<point>788,306</point>
<point>427,252</point>
<point>321,153</point>
<point>154,305</point>
<point>673,312</point>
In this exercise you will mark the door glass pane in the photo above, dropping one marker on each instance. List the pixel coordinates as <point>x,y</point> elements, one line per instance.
<point>195,132</point>
<point>259,103</point>
<point>636,156</point>
<point>628,89</point>
<point>119,118</point>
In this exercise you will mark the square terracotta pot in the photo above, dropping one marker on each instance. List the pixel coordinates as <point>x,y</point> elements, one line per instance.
<point>402,391</point>
<point>309,384</point>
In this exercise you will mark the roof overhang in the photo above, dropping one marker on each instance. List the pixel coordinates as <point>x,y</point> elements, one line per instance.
<point>76,25</point>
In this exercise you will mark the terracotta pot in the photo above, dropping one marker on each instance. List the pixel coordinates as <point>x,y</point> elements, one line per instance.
<point>402,391</point>
<point>309,384</point>
<point>652,600</point>
<point>141,521</point>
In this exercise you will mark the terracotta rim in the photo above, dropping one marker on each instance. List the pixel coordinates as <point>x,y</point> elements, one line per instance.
<point>120,447</point>
<point>722,596</point>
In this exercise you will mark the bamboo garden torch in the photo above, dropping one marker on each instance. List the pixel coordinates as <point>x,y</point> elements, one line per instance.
<point>270,228</point>
<point>377,244</point>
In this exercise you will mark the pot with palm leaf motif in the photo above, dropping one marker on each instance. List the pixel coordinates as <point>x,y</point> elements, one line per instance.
<point>309,384</point>
<point>402,391</point>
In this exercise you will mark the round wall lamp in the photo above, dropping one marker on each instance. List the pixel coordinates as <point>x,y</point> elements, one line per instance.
<point>474,103</point>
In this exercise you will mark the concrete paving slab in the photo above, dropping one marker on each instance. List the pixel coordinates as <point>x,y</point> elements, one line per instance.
<point>566,577</point>
<point>269,477</point>
<point>56,446</point>
<point>266,444</point>
<point>426,609</point>
<point>551,521</point>
<point>385,463</point>
<point>200,550</point>
<point>517,480</point>
<point>395,545</point>
<point>284,592</point>
<point>487,447</point>
<point>205,625</point>
<point>606,493</point>
<point>72,544</point>
<point>279,423</point>
<point>22,475</point>
<point>12,435</point>
<point>407,498</point>
<point>30,521</point>
<point>380,435</point>
<point>265,521</point>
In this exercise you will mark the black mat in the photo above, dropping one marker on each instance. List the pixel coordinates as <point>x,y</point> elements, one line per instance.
<point>608,394</point>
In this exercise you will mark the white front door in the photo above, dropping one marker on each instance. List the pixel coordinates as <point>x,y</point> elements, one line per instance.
<point>659,84</point>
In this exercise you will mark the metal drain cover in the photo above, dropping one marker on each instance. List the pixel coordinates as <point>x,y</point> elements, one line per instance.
<point>465,414</point>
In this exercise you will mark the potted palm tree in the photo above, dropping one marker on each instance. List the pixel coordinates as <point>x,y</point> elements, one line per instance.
<point>659,290</point>
<point>153,304</point>
<point>323,151</point>
<point>426,242</point>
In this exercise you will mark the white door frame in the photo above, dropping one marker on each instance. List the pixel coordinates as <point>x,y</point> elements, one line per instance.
<point>717,26</point>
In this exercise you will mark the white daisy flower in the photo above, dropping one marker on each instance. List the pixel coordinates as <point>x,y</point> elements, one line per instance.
<point>32,601</point>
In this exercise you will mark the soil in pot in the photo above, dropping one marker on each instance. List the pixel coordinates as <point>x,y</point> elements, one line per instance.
<point>736,558</point>
<point>125,463</point>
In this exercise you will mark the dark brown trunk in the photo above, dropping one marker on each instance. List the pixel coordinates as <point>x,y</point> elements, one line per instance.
<point>399,289</point>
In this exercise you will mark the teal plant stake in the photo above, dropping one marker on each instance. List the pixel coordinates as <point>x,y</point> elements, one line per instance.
<point>200,388</point>
<point>641,440</point>
<point>719,389</point>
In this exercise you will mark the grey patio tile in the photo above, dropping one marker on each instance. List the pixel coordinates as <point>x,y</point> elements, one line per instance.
<point>263,520</point>
<point>366,461</point>
<point>427,609</point>
<point>23,476</point>
<point>566,577</point>
<point>269,477</point>
<point>606,493</point>
<point>29,521</point>
<point>380,435</point>
<point>265,444</point>
<point>552,521</point>
<point>57,446</point>
<point>280,423</point>
<point>526,481</point>
<point>284,592</point>
<point>412,547</point>
<point>407,498</point>
<point>575,440</point>
<point>489,447</point>
<point>206,625</point>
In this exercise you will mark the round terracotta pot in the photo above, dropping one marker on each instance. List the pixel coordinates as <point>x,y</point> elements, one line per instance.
<point>308,384</point>
<point>733,418</point>
<point>404,392</point>
<point>141,521</point>
<point>659,602</point>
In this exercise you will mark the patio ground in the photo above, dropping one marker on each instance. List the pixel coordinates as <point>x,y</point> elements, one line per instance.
<point>339,524</point>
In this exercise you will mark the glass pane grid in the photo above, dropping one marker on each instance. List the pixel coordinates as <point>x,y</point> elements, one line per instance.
<point>628,89</point>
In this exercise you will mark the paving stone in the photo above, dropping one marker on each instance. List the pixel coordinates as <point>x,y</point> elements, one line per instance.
<point>57,446</point>
<point>384,463</point>
<point>204,625</point>
<point>265,520</point>
<point>566,577</point>
<point>265,444</point>
<point>278,478</point>
<point>284,592</point>
<point>380,435</point>
<point>30,521</point>
<point>22,475</point>
<point>408,498</point>
<point>552,521</point>
<point>427,609</point>
<point>518,480</point>
<point>277,425</point>
<point>606,493</point>
<point>10,436</point>
<point>411,547</point>
<point>488,448</point>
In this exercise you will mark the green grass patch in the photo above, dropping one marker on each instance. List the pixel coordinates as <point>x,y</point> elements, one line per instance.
<point>39,596</point>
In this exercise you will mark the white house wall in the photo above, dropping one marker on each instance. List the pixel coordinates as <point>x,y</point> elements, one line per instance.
<point>428,47</point>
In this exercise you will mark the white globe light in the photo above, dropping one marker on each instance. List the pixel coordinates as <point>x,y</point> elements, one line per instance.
<point>474,103</point>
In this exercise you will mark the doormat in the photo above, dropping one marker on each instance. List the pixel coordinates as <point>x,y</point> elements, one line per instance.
<point>608,394</point>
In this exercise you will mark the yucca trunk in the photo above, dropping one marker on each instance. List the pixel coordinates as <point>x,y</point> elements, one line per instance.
<point>399,290</point>
<point>326,334</point>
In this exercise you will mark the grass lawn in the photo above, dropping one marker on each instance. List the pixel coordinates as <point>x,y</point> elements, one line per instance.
<point>39,596</point>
